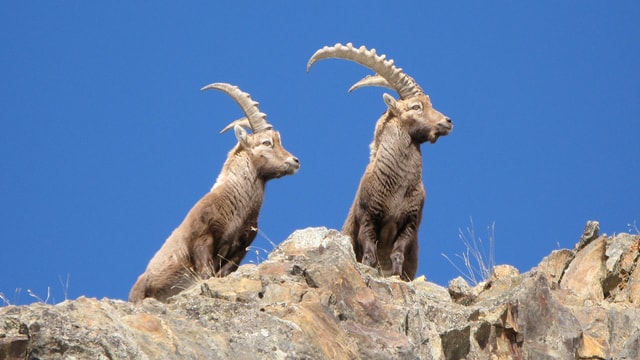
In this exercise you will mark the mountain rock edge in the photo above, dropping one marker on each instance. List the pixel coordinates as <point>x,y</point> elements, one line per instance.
<point>311,300</point>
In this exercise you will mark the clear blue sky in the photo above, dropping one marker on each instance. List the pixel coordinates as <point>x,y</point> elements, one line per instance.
<point>106,140</point>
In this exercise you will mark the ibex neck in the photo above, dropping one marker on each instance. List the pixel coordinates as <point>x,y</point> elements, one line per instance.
<point>395,154</point>
<point>239,173</point>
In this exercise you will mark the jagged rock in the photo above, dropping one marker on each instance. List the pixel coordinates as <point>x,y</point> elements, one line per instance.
<point>631,292</point>
<point>622,256</point>
<point>554,265</point>
<point>586,272</point>
<point>311,300</point>
<point>461,292</point>
<point>590,233</point>
<point>503,272</point>
<point>503,277</point>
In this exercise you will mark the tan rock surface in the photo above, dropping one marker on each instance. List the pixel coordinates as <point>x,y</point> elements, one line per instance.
<point>311,300</point>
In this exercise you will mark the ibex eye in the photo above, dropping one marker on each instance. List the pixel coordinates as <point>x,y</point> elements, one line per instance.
<point>266,142</point>
<point>416,107</point>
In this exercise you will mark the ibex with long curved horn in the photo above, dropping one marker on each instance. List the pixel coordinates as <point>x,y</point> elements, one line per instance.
<point>213,238</point>
<point>385,216</point>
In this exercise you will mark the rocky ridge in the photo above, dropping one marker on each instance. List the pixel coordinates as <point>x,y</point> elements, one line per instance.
<point>311,300</point>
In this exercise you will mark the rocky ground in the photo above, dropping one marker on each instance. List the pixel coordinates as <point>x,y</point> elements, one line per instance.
<point>311,300</point>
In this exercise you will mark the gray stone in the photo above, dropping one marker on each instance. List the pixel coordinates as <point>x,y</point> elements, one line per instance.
<point>311,300</point>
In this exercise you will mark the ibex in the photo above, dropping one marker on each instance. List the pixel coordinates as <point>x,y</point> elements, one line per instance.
<point>385,216</point>
<point>213,238</point>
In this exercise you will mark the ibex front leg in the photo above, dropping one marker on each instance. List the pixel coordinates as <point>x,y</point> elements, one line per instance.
<point>202,256</point>
<point>406,244</point>
<point>367,242</point>
<point>239,250</point>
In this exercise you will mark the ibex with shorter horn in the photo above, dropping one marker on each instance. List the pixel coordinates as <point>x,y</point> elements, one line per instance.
<point>213,238</point>
<point>385,216</point>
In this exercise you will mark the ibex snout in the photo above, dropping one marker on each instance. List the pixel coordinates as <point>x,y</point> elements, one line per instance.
<point>446,124</point>
<point>294,165</point>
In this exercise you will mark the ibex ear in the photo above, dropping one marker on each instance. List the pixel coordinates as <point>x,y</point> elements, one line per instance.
<point>241,135</point>
<point>391,103</point>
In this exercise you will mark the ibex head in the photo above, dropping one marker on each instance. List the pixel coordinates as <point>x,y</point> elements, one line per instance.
<point>264,145</point>
<point>422,121</point>
<point>413,110</point>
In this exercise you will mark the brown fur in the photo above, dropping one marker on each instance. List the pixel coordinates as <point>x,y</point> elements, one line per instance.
<point>385,216</point>
<point>214,236</point>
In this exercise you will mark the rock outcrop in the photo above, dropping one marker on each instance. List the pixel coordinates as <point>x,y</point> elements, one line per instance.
<point>311,300</point>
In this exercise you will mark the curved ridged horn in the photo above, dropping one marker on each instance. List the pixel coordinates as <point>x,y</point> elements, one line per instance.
<point>256,120</point>
<point>402,83</point>
<point>244,122</point>
<point>371,80</point>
